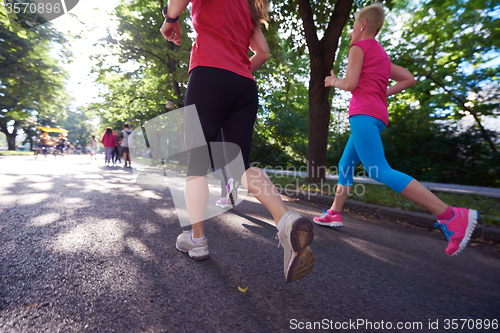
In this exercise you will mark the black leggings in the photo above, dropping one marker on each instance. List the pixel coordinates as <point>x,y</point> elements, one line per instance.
<point>224,101</point>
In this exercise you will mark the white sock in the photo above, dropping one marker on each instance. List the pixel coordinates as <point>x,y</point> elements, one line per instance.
<point>196,240</point>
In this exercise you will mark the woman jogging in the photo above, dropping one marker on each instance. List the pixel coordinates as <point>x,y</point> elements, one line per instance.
<point>93,147</point>
<point>108,140</point>
<point>222,88</point>
<point>367,76</point>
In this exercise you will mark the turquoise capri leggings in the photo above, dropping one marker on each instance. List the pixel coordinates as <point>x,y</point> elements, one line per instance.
<point>365,145</point>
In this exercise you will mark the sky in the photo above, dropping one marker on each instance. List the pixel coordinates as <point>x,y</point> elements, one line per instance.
<point>95,20</point>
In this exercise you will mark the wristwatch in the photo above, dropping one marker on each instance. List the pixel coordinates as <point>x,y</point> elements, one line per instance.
<point>168,19</point>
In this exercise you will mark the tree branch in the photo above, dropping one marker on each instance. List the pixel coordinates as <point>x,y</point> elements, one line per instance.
<point>462,104</point>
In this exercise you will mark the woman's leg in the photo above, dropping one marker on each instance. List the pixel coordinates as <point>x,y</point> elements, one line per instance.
<point>347,167</point>
<point>257,182</point>
<point>212,101</point>
<point>366,133</point>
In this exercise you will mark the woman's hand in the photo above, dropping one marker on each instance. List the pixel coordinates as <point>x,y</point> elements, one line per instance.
<point>171,32</point>
<point>330,79</point>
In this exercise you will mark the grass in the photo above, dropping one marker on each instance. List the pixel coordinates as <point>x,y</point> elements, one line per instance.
<point>14,152</point>
<point>381,195</point>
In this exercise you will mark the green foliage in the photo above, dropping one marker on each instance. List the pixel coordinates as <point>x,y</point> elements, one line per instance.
<point>140,70</point>
<point>281,132</point>
<point>79,127</point>
<point>32,85</point>
<point>449,46</point>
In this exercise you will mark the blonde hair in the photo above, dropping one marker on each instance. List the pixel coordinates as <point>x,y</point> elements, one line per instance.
<point>258,9</point>
<point>374,16</point>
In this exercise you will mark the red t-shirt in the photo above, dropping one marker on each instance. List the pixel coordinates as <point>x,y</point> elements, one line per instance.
<point>108,140</point>
<point>370,96</point>
<point>223,29</point>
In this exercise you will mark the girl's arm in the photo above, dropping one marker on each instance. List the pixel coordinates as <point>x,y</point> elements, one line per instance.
<point>260,49</point>
<point>403,77</point>
<point>353,71</point>
<point>172,31</point>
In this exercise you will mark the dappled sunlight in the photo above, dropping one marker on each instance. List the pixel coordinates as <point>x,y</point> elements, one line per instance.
<point>250,230</point>
<point>140,249</point>
<point>377,251</point>
<point>102,237</point>
<point>165,213</point>
<point>76,201</point>
<point>89,176</point>
<point>24,200</point>
<point>41,186</point>
<point>44,219</point>
<point>150,228</point>
<point>149,195</point>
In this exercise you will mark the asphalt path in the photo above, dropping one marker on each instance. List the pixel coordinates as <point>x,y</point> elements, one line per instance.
<point>83,248</point>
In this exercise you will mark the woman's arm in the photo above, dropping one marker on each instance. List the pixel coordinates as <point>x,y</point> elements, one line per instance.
<point>353,71</point>
<point>403,77</point>
<point>172,31</point>
<point>260,49</point>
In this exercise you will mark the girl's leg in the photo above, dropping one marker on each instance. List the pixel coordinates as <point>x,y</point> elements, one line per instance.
<point>420,195</point>
<point>341,195</point>
<point>365,131</point>
<point>347,166</point>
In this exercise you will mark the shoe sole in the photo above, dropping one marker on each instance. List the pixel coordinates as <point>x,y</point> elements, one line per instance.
<point>302,261</point>
<point>223,206</point>
<point>329,224</point>
<point>196,258</point>
<point>471,225</point>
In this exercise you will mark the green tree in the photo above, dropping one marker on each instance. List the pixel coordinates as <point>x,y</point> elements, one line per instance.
<point>150,70</point>
<point>449,46</point>
<point>280,137</point>
<point>79,127</point>
<point>32,85</point>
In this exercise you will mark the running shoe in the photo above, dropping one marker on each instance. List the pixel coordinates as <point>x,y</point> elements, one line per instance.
<point>458,229</point>
<point>329,219</point>
<point>295,236</point>
<point>197,251</point>
<point>228,201</point>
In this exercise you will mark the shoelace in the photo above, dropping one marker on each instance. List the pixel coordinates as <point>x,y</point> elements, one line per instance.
<point>444,229</point>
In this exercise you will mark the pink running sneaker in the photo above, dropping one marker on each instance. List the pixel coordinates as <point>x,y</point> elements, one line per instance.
<point>329,219</point>
<point>229,200</point>
<point>458,229</point>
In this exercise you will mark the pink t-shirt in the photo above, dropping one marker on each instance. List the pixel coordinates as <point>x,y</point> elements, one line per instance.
<point>223,29</point>
<point>370,96</point>
<point>108,140</point>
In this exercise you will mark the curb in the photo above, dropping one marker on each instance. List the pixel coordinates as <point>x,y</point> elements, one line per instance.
<point>422,220</point>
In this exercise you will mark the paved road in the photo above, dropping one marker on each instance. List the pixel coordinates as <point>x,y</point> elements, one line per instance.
<point>84,249</point>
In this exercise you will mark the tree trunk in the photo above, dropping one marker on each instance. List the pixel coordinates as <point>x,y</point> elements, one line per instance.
<point>11,140</point>
<point>322,54</point>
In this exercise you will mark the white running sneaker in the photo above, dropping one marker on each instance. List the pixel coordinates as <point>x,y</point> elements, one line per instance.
<point>295,236</point>
<point>197,251</point>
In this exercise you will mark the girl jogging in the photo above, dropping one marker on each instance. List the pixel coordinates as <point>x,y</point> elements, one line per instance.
<point>367,77</point>
<point>222,88</point>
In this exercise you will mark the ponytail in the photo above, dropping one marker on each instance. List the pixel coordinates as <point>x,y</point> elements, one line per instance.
<point>258,9</point>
